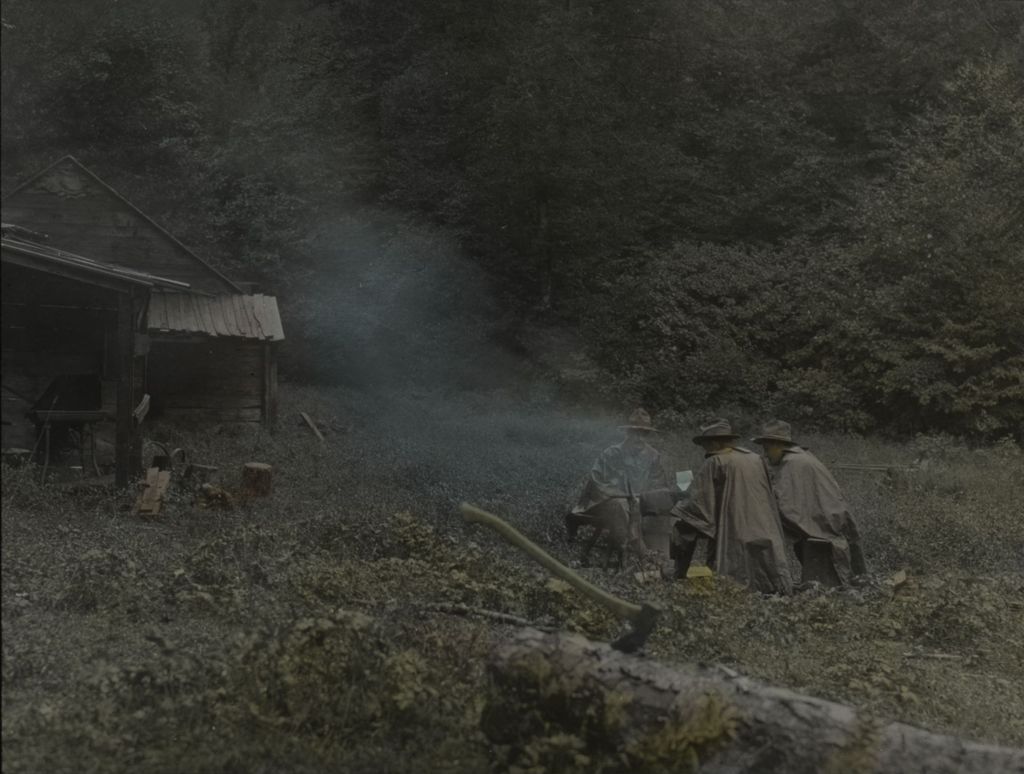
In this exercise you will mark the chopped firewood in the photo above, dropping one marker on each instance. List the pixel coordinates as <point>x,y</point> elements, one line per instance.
<point>152,496</point>
<point>212,496</point>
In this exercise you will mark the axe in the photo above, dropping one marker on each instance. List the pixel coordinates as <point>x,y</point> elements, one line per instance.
<point>641,617</point>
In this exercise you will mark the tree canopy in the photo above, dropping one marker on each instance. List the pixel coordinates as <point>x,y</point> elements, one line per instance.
<point>813,208</point>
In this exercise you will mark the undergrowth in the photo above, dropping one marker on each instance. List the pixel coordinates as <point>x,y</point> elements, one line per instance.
<point>339,623</point>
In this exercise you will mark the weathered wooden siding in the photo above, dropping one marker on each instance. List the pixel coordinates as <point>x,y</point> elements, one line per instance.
<point>216,380</point>
<point>80,214</point>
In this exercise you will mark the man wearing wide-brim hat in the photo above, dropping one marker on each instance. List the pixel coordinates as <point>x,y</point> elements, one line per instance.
<point>810,502</point>
<point>623,481</point>
<point>732,504</point>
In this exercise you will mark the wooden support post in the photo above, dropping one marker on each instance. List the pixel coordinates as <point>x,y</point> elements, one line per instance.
<point>140,407</point>
<point>125,339</point>
<point>269,385</point>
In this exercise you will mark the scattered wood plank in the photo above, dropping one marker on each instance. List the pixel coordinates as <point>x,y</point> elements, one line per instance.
<point>312,426</point>
<point>538,679</point>
<point>151,499</point>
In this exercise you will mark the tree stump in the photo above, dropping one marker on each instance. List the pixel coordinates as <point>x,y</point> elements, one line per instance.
<point>561,694</point>
<point>257,479</point>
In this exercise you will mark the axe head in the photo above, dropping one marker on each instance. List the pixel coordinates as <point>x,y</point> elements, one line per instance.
<point>642,624</point>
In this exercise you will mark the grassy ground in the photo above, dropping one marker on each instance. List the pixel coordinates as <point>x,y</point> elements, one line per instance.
<point>323,628</point>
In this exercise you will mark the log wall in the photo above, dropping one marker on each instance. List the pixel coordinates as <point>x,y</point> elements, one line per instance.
<point>208,381</point>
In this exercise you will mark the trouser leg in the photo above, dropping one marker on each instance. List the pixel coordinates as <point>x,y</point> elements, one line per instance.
<point>573,522</point>
<point>589,545</point>
<point>857,563</point>
<point>635,531</point>
<point>683,546</point>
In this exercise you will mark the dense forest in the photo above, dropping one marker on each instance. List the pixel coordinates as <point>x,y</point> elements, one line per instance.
<point>813,208</point>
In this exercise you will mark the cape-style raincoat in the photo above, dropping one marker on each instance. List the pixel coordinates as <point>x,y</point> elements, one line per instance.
<point>732,502</point>
<point>631,468</point>
<point>811,503</point>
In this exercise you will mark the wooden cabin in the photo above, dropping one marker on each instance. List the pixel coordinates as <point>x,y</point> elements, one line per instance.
<point>214,357</point>
<point>74,349</point>
<point>214,346</point>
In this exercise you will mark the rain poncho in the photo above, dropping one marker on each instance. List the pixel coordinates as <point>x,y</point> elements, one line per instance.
<point>631,468</point>
<point>811,504</point>
<point>731,502</point>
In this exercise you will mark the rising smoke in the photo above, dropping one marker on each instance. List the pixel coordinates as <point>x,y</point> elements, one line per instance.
<point>404,327</point>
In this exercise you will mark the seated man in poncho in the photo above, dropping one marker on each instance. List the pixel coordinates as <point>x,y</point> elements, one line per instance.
<point>731,503</point>
<point>810,501</point>
<point>626,481</point>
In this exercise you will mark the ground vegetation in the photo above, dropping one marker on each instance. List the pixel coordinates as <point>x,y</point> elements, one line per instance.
<point>345,621</point>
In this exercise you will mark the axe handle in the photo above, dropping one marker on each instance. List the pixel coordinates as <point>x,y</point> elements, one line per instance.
<point>620,607</point>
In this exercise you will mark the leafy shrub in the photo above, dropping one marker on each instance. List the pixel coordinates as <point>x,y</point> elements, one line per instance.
<point>99,578</point>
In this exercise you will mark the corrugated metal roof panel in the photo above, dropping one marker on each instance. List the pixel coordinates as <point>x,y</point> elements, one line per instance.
<point>242,320</point>
<point>205,314</point>
<point>236,316</point>
<point>249,319</point>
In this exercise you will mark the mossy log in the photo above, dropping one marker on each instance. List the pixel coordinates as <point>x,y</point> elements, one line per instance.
<point>557,692</point>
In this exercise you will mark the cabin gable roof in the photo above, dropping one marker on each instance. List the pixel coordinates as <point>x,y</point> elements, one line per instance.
<point>78,211</point>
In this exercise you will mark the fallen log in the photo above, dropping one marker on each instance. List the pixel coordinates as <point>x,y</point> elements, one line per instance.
<point>563,701</point>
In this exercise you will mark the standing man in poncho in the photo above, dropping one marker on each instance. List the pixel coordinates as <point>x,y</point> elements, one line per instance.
<point>733,506</point>
<point>626,481</point>
<point>810,501</point>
